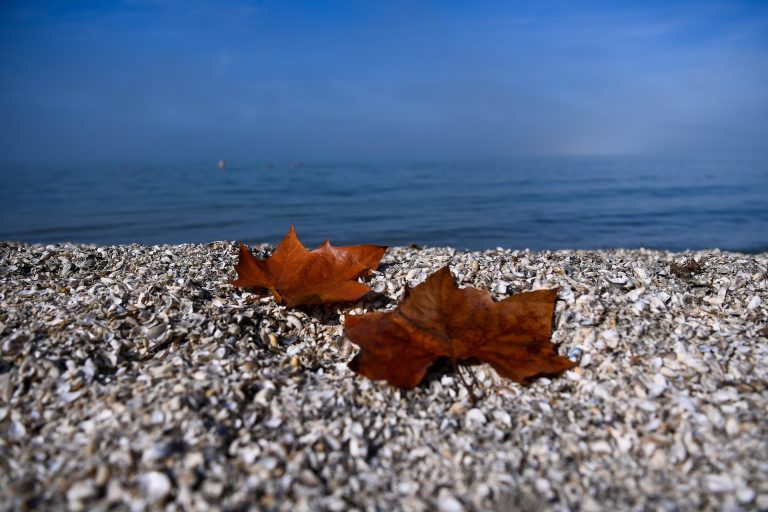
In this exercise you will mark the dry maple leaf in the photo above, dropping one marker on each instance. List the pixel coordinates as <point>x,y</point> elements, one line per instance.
<point>438,319</point>
<point>295,275</point>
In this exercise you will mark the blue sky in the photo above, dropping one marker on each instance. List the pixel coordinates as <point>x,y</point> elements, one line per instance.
<point>186,80</point>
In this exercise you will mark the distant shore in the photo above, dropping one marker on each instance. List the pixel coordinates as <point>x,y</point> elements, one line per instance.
<point>135,375</point>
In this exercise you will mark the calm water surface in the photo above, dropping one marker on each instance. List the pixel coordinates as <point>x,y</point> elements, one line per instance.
<point>540,203</point>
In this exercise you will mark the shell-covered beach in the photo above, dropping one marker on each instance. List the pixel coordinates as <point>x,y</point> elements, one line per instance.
<point>135,377</point>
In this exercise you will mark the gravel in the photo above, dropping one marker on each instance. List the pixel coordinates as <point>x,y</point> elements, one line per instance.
<point>135,377</point>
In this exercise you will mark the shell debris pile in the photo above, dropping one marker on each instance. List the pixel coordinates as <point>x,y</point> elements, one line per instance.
<point>136,377</point>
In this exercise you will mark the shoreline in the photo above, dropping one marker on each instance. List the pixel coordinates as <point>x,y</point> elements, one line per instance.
<point>136,376</point>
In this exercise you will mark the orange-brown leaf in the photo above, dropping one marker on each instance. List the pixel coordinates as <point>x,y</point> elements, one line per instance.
<point>295,275</point>
<point>438,319</point>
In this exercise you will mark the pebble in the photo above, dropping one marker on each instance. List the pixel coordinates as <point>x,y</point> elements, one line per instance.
<point>610,337</point>
<point>154,485</point>
<point>600,447</point>
<point>81,491</point>
<point>745,495</point>
<point>719,483</point>
<point>475,417</point>
<point>448,503</point>
<point>503,418</point>
<point>657,386</point>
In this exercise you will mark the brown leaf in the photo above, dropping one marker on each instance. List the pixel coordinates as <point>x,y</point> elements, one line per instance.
<point>295,275</point>
<point>438,319</point>
<point>685,270</point>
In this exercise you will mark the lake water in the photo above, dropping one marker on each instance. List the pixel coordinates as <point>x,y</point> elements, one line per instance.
<point>537,203</point>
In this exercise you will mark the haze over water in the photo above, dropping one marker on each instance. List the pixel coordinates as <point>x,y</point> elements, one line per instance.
<point>433,107</point>
<point>538,203</point>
